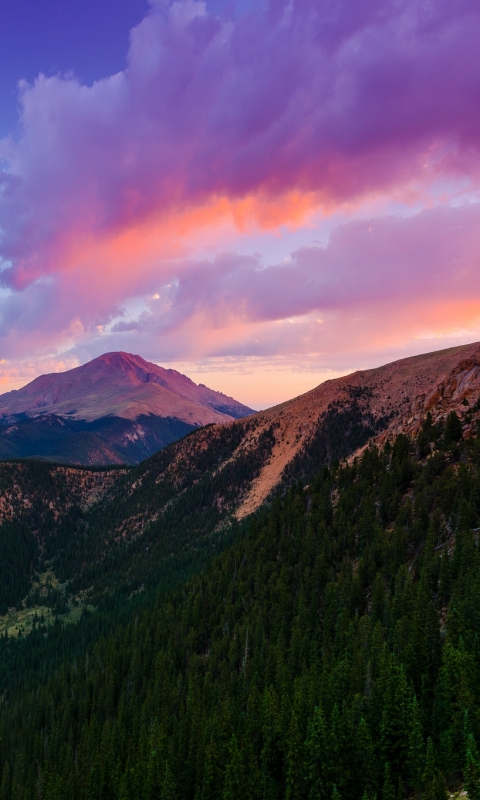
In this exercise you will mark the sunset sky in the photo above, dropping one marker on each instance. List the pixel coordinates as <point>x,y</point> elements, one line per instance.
<point>259,194</point>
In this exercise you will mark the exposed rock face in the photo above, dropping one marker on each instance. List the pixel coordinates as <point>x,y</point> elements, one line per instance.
<point>458,391</point>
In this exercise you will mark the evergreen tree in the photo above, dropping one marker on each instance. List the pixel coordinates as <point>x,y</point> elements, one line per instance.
<point>472,769</point>
<point>294,762</point>
<point>5,786</point>
<point>439,788</point>
<point>316,757</point>
<point>453,428</point>
<point>388,789</point>
<point>169,786</point>
<point>430,770</point>
<point>416,748</point>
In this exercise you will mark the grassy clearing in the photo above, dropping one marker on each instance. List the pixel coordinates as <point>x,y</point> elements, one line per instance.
<point>19,622</point>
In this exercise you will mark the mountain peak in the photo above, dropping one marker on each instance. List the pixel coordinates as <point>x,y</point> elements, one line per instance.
<point>124,385</point>
<point>118,386</point>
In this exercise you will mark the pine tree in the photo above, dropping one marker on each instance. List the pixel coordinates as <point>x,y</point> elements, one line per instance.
<point>453,429</point>
<point>211,772</point>
<point>234,782</point>
<point>294,761</point>
<point>123,791</point>
<point>316,757</point>
<point>416,748</point>
<point>6,783</point>
<point>430,770</point>
<point>366,755</point>
<point>472,771</point>
<point>169,786</point>
<point>269,756</point>
<point>439,788</point>
<point>445,577</point>
<point>388,789</point>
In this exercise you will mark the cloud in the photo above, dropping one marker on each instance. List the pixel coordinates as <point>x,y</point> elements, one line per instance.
<point>430,257</point>
<point>339,101</point>
<point>378,284</point>
<point>261,116</point>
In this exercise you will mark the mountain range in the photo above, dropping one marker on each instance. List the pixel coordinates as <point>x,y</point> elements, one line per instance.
<point>115,409</point>
<point>269,448</point>
<point>282,605</point>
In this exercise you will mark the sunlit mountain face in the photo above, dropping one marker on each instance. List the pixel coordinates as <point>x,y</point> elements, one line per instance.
<point>118,408</point>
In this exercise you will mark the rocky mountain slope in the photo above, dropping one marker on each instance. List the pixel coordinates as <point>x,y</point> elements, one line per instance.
<point>334,420</point>
<point>337,418</point>
<point>116,409</point>
<point>183,502</point>
<point>32,491</point>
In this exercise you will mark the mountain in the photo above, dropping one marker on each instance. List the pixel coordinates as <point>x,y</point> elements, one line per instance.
<point>340,416</point>
<point>117,408</point>
<point>332,421</point>
<point>325,646</point>
<point>166,516</point>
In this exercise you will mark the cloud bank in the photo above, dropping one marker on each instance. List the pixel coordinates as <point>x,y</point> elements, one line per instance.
<point>259,118</point>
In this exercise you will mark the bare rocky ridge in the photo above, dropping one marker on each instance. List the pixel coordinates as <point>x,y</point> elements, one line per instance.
<point>400,394</point>
<point>21,491</point>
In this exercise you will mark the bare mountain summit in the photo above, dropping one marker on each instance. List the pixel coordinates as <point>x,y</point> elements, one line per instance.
<point>115,408</point>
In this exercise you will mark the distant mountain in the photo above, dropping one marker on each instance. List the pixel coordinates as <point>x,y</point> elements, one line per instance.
<point>117,408</point>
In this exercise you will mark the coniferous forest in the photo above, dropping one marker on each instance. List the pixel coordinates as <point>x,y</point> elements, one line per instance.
<point>331,651</point>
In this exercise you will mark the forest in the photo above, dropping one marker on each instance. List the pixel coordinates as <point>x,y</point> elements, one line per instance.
<point>330,651</point>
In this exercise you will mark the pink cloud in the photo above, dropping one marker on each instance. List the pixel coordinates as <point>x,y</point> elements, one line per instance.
<point>431,257</point>
<point>292,105</point>
<point>377,284</point>
<point>293,97</point>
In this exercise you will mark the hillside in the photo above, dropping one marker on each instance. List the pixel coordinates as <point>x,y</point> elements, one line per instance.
<point>156,520</point>
<point>330,652</point>
<point>116,409</point>
<point>323,647</point>
<point>339,416</point>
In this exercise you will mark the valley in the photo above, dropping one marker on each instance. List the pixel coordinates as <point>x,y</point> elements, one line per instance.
<point>80,523</point>
<point>249,597</point>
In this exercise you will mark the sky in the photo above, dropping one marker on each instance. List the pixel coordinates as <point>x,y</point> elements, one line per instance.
<point>262,194</point>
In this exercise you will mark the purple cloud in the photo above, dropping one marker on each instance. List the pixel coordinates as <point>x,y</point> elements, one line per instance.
<point>339,100</point>
<point>431,257</point>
